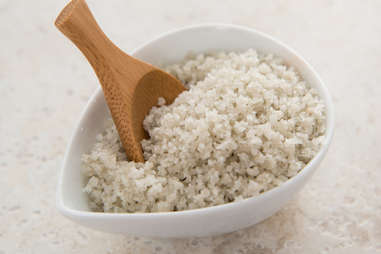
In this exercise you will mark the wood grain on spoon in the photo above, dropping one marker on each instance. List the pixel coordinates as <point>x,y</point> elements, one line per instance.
<point>131,87</point>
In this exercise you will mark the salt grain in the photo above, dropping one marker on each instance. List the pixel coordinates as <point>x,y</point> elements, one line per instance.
<point>247,124</point>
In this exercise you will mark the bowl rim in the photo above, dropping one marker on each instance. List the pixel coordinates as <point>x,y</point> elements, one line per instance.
<point>70,212</point>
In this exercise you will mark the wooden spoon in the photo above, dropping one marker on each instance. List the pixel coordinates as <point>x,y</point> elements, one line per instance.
<point>131,87</point>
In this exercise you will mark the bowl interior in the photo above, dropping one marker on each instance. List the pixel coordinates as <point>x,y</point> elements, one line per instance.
<point>170,48</point>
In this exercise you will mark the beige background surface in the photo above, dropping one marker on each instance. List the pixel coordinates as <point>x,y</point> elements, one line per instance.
<point>45,83</point>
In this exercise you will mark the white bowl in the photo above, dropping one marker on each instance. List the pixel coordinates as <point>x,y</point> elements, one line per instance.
<point>170,48</point>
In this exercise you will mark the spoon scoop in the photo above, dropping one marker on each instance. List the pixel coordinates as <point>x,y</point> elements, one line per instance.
<point>131,87</point>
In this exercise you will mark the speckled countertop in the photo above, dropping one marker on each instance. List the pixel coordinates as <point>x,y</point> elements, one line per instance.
<point>45,83</point>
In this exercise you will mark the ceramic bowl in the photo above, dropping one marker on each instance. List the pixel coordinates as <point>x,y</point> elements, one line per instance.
<point>169,48</point>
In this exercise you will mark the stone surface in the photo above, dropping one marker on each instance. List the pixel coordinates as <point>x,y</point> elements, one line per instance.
<point>45,83</point>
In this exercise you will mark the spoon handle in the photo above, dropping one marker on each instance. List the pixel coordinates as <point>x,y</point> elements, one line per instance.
<point>78,24</point>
